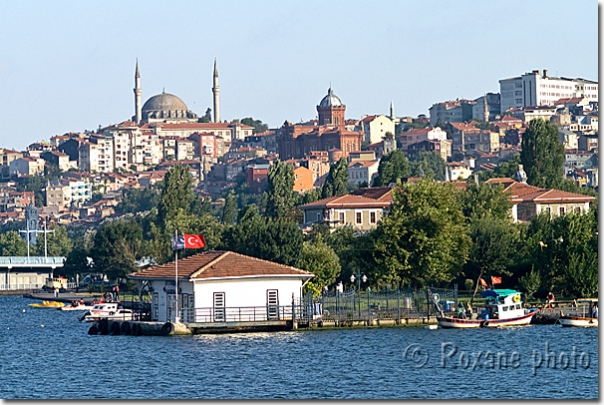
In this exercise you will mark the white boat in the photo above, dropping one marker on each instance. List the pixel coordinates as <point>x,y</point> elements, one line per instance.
<point>79,306</point>
<point>581,321</point>
<point>502,308</point>
<point>120,314</point>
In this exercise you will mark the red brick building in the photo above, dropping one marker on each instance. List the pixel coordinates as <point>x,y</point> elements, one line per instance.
<point>298,141</point>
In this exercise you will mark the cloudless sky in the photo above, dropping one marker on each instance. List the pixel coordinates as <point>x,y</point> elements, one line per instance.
<point>69,65</point>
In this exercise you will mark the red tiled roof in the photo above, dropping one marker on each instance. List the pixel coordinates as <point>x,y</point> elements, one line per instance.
<point>219,264</point>
<point>362,199</point>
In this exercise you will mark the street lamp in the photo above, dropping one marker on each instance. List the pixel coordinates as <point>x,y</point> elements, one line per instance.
<point>359,277</point>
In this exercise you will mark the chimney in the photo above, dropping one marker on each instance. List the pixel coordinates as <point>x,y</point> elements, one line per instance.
<point>545,73</point>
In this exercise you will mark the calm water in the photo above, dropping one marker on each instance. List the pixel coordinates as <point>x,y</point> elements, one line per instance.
<point>60,360</point>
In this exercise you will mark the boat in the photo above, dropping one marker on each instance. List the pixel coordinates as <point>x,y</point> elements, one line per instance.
<point>120,314</point>
<point>76,306</point>
<point>584,321</point>
<point>47,304</point>
<point>503,308</point>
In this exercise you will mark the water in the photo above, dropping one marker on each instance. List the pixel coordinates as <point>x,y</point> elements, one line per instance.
<point>61,361</point>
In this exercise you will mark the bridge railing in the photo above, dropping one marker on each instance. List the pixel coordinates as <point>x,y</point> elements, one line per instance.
<point>16,286</point>
<point>38,260</point>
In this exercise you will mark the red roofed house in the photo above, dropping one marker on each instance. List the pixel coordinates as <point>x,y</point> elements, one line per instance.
<point>363,171</point>
<point>421,134</point>
<point>529,201</point>
<point>223,286</point>
<point>375,127</point>
<point>362,209</point>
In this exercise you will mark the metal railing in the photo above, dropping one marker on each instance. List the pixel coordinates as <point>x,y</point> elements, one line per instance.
<point>244,314</point>
<point>20,286</point>
<point>24,260</point>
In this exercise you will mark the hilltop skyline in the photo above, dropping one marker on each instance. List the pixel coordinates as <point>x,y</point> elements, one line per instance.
<point>71,68</point>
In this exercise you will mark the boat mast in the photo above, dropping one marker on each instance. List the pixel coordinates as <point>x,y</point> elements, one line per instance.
<point>176,317</point>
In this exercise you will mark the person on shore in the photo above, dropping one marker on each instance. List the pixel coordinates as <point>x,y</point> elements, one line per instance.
<point>116,292</point>
<point>56,291</point>
<point>594,311</point>
<point>550,299</point>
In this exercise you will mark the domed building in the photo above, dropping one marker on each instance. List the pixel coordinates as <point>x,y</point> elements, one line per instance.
<point>166,108</point>
<point>330,135</point>
<point>331,110</point>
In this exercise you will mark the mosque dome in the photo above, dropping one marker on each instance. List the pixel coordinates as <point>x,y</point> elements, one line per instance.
<point>164,102</point>
<point>330,100</point>
<point>167,108</point>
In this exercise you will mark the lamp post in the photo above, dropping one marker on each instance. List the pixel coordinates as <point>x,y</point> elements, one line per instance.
<point>360,276</point>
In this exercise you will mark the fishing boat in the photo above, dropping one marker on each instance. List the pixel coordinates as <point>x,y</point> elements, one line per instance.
<point>47,304</point>
<point>502,308</point>
<point>584,321</point>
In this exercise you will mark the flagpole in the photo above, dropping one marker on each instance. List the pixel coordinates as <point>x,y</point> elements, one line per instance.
<point>176,317</point>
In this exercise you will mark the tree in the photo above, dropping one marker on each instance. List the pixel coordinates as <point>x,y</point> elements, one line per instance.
<point>58,243</point>
<point>258,125</point>
<point>229,211</point>
<point>530,283</point>
<point>480,200</point>
<point>542,154</point>
<point>207,117</point>
<point>494,244</point>
<point>116,247</point>
<point>424,238</point>
<point>321,260</point>
<point>11,244</point>
<point>176,193</point>
<point>77,261</point>
<point>336,181</point>
<point>430,163</point>
<point>139,199</point>
<point>280,194</point>
<point>393,167</point>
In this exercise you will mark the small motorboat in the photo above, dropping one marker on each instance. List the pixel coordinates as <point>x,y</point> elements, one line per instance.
<point>120,314</point>
<point>502,308</point>
<point>584,321</point>
<point>47,304</point>
<point>76,306</point>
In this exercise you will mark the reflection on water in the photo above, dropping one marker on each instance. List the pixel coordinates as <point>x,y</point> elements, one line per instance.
<point>59,360</point>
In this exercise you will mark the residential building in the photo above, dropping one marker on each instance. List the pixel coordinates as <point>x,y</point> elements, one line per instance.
<point>451,111</point>
<point>421,134</point>
<point>588,142</point>
<point>538,88</point>
<point>257,176</point>
<point>58,195</point>
<point>15,201</point>
<point>59,159</point>
<point>303,179</point>
<point>362,209</point>
<point>491,109</point>
<point>363,172</point>
<point>375,127</point>
<point>459,171</point>
<point>442,147</point>
<point>569,139</point>
<point>26,166</point>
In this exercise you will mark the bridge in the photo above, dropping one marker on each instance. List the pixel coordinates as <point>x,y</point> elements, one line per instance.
<point>27,272</point>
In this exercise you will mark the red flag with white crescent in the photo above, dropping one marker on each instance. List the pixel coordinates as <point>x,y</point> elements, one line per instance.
<point>194,241</point>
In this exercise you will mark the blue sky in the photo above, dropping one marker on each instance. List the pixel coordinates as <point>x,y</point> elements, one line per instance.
<point>69,65</point>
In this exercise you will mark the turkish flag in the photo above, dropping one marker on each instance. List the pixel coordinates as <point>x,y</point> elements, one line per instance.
<point>194,241</point>
<point>483,283</point>
<point>495,280</point>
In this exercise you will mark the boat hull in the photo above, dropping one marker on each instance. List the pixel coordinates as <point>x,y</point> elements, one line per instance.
<point>455,323</point>
<point>578,321</point>
<point>78,308</point>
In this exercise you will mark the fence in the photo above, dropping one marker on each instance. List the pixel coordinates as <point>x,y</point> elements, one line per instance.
<point>366,305</point>
<point>244,314</point>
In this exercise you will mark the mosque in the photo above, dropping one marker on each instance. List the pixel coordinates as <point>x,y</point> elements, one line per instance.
<point>168,108</point>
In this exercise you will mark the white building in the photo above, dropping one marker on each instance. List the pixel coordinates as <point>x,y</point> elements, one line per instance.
<point>375,127</point>
<point>537,88</point>
<point>422,134</point>
<point>219,286</point>
<point>363,171</point>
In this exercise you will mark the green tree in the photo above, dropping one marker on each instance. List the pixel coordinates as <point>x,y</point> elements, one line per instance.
<point>530,283</point>
<point>480,200</point>
<point>280,195</point>
<point>258,125</point>
<point>207,117</point>
<point>77,261</point>
<point>58,243</point>
<point>176,193</point>
<point>116,247</point>
<point>424,238</point>
<point>139,199</point>
<point>336,182</point>
<point>494,244</point>
<point>542,154</point>
<point>431,163</point>
<point>11,244</point>
<point>321,260</point>
<point>393,167</point>
<point>229,211</point>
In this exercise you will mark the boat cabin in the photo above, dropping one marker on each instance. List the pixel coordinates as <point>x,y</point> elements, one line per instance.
<point>502,304</point>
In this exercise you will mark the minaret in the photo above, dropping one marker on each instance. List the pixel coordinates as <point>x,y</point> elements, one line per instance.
<point>216,91</point>
<point>137,95</point>
<point>486,109</point>
<point>392,110</point>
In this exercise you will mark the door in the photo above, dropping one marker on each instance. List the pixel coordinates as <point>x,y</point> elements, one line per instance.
<point>272,304</point>
<point>219,307</point>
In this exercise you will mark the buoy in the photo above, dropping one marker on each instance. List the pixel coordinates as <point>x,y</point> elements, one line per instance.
<point>24,310</point>
<point>41,326</point>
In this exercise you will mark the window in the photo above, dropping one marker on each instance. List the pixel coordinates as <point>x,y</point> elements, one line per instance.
<point>342,218</point>
<point>219,307</point>
<point>372,217</point>
<point>359,218</point>
<point>319,217</point>
<point>578,210</point>
<point>562,210</point>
